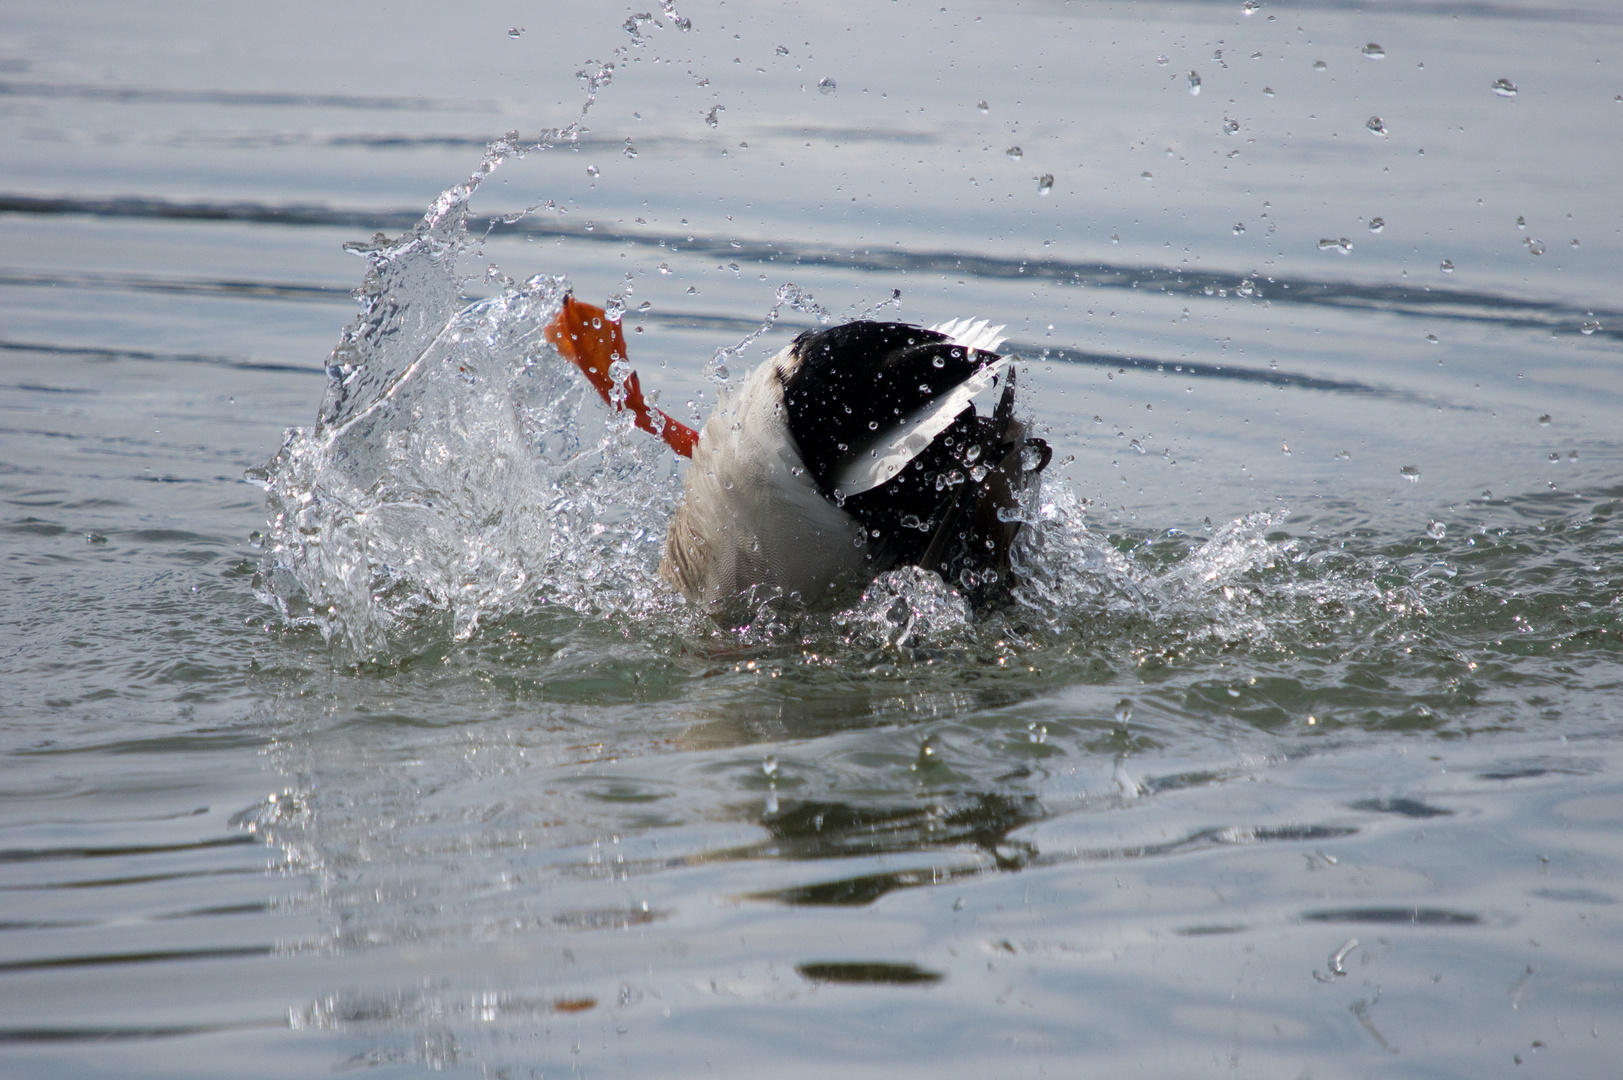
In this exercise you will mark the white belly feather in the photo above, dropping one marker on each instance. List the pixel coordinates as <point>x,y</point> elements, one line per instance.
<point>753,523</point>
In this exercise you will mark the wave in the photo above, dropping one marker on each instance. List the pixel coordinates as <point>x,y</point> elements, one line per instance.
<point>1434,302</point>
<point>240,98</point>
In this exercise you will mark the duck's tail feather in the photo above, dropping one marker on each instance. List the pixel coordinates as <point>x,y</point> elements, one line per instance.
<point>972,334</point>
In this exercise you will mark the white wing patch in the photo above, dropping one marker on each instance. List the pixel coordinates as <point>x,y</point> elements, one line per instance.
<point>909,438</point>
<point>914,433</point>
<point>972,335</point>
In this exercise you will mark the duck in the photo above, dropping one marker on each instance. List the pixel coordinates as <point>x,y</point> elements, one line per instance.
<point>856,449</point>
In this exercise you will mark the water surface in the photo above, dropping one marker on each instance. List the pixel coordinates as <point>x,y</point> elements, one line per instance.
<point>1297,755</point>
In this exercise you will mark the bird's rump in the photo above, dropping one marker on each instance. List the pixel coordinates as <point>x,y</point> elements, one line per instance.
<point>771,508</point>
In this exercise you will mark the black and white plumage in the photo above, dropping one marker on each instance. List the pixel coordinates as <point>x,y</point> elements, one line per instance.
<point>854,450</point>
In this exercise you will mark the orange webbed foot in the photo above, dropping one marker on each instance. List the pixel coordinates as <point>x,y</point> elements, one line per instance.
<point>590,340</point>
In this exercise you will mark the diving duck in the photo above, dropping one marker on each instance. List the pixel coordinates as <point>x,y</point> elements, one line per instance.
<point>856,449</point>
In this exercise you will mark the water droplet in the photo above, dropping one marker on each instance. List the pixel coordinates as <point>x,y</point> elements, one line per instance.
<point>693,290</point>
<point>1124,711</point>
<point>1344,455</point>
<point>1534,247</point>
<point>770,766</point>
<point>516,31</point>
<point>591,170</point>
<point>1285,448</point>
<point>783,50</point>
<point>614,309</point>
<point>1045,183</point>
<point>1238,228</point>
<point>1268,91</point>
<point>713,117</point>
<point>1342,245</point>
<point>1504,88</point>
<point>939,361</point>
<point>1319,65</point>
<point>1544,421</point>
<point>1377,224</point>
<point>1410,473</point>
<point>984,107</point>
<point>826,85</point>
<point>1431,339</point>
<point>1447,266</point>
<point>1145,175</point>
<point>1230,125</point>
<point>1194,84</point>
<point>1374,51</point>
<point>630,151</point>
<point>1589,327</point>
<point>1014,153</point>
<point>1521,223</point>
<point>1436,530</point>
<point>1376,126</point>
<point>664,269</point>
<point>929,754</point>
<point>1246,287</point>
<point>1250,7</point>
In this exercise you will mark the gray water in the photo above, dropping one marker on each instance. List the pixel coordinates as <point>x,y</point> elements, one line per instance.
<point>1297,756</point>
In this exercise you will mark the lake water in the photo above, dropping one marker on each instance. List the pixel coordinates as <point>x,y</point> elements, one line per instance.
<point>378,744</point>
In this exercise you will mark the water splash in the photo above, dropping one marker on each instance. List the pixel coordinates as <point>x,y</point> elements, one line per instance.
<point>452,469</point>
<point>789,296</point>
<point>460,472</point>
<point>475,482</point>
<point>908,607</point>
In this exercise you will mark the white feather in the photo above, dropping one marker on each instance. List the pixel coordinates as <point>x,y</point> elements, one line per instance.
<point>753,517</point>
<point>972,335</point>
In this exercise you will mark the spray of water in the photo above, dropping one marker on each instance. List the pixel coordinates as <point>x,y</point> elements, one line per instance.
<point>460,472</point>
<point>453,471</point>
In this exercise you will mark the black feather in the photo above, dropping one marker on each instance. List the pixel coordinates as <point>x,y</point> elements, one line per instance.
<point>849,384</point>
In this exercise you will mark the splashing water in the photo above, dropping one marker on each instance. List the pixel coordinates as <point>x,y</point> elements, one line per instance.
<point>473,483</point>
<point>461,472</point>
<point>452,469</point>
<point>789,295</point>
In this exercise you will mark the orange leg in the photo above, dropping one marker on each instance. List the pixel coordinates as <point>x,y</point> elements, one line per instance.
<point>588,339</point>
